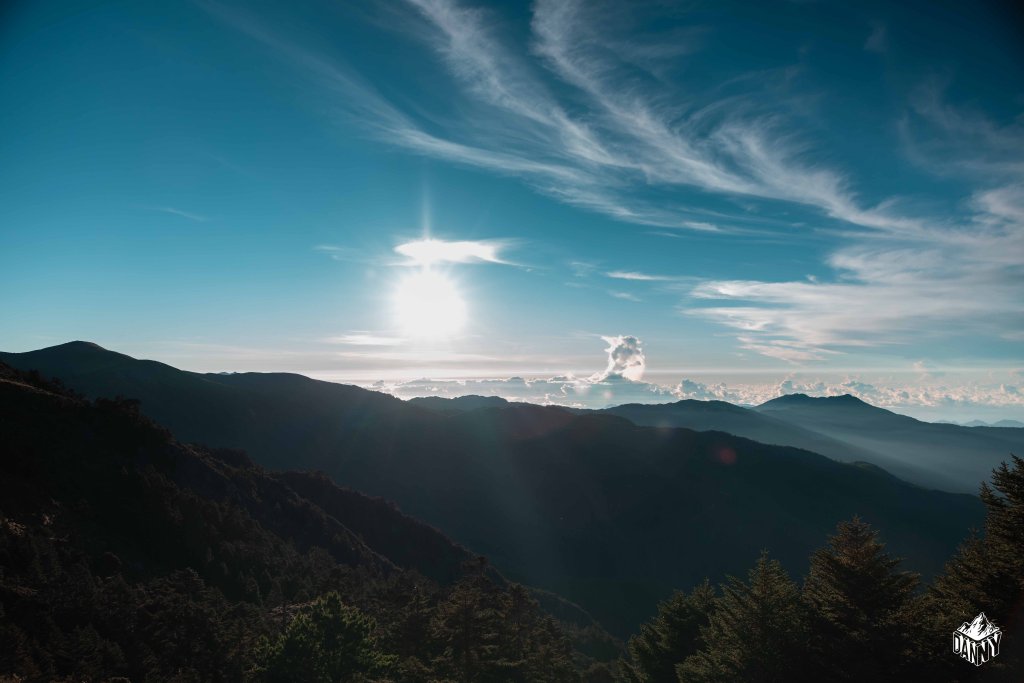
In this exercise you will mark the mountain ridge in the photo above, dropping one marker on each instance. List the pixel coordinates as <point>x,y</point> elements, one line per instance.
<point>567,501</point>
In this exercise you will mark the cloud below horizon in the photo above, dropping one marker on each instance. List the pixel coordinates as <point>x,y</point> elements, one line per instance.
<point>622,382</point>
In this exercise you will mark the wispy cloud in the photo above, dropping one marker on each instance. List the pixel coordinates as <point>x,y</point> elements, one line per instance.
<point>183,214</point>
<point>365,339</point>
<point>580,118</point>
<point>340,253</point>
<point>634,275</point>
<point>948,139</point>
<point>950,282</point>
<point>955,275</point>
<point>605,158</point>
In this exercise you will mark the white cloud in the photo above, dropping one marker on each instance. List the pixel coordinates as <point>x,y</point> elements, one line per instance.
<point>627,137</point>
<point>962,401</point>
<point>426,252</point>
<point>365,339</point>
<point>942,281</point>
<point>625,359</point>
<point>609,138</point>
<point>633,275</point>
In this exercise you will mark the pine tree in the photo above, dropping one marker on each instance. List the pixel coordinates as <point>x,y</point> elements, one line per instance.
<point>327,642</point>
<point>858,605</point>
<point>755,633</point>
<point>467,627</point>
<point>520,621</point>
<point>669,638</point>
<point>986,575</point>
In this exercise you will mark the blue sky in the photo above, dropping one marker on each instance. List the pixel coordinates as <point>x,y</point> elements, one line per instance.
<point>825,194</point>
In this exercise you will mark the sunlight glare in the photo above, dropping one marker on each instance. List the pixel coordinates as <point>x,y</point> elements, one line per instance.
<point>428,305</point>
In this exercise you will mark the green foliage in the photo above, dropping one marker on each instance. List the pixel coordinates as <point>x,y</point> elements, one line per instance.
<point>485,634</point>
<point>858,604</point>
<point>326,642</point>
<point>672,636</point>
<point>858,616</point>
<point>755,632</point>
<point>986,574</point>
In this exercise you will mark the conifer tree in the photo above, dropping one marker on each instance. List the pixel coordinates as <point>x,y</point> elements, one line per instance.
<point>467,627</point>
<point>755,633</point>
<point>669,638</point>
<point>985,575</point>
<point>858,607</point>
<point>328,642</point>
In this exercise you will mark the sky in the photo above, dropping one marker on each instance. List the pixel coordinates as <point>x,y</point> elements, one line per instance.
<point>559,201</point>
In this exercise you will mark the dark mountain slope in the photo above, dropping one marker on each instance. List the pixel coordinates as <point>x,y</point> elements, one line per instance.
<point>946,456</point>
<point>269,415</point>
<point>58,447</point>
<point>607,513</point>
<point>127,553</point>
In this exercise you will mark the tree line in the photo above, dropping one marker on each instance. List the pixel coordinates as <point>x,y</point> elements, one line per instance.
<point>856,616</point>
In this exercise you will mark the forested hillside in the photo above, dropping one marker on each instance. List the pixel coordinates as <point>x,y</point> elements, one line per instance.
<point>126,553</point>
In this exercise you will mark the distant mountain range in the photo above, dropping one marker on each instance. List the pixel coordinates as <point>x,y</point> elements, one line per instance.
<point>935,455</point>
<point>1014,424</point>
<point>611,509</point>
<point>942,456</point>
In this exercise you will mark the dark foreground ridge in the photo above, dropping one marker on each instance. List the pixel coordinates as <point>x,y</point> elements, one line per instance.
<point>127,553</point>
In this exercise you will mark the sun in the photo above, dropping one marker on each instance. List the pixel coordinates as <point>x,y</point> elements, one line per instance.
<point>428,305</point>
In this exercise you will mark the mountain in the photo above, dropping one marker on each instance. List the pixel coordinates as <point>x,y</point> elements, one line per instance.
<point>726,417</point>
<point>127,553</point>
<point>934,455</point>
<point>945,456</point>
<point>1014,424</point>
<point>459,403</point>
<point>609,514</point>
<point>268,415</point>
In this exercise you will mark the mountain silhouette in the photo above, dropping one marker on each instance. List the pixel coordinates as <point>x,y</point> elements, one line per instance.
<point>845,428</point>
<point>458,404</point>
<point>737,420</point>
<point>606,513</point>
<point>945,456</point>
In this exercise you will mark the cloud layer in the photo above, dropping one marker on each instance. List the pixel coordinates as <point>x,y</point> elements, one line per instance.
<point>929,395</point>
